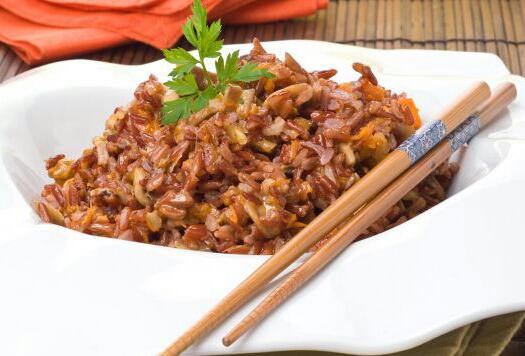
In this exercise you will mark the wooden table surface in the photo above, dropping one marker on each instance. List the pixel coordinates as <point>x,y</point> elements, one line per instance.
<point>495,26</point>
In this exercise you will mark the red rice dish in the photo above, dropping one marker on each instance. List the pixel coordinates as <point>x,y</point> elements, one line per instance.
<point>244,174</point>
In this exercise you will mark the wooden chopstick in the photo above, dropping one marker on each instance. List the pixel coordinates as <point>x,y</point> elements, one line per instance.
<point>368,186</point>
<point>376,208</point>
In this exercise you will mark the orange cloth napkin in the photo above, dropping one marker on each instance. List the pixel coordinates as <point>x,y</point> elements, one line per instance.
<point>41,31</point>
<point>273,10</point>
<point>256,12</point>
<point>35,43</point>
<point>105,4</point>
<point>154,7</point>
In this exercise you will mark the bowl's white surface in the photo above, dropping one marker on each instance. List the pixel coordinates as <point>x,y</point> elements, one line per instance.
<point>63,292</point>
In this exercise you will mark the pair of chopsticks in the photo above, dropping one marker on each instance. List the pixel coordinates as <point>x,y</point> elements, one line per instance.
<point>376,208</point>
<point>370,185</point>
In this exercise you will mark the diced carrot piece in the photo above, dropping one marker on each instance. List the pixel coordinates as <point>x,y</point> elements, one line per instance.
<point>408,102</point>
<point>364,133</point>
<point>373,92</point>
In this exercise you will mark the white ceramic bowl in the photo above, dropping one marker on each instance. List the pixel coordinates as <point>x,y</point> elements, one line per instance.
<point>63,292</point>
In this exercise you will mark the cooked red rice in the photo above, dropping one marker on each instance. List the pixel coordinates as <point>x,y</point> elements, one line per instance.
<point>246,173</point>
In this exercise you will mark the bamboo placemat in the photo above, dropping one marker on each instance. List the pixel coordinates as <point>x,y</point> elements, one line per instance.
<point>495,26</point>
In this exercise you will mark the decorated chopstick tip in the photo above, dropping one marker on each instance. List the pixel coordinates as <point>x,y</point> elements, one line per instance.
<point>464,132</point>
<point>423,140</point>
<point>226,341</point>
<point>433,132</point>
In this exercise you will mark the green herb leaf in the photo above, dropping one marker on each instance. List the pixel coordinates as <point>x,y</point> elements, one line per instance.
<point>183,59</point>
<point>226,71</point>
<point>199,17</point>
<point>178,56</point>
<point>209,43</point>
<point>203,98</point>
<point>249,73</point>
<point>206,40</point>
<point>189,33</point>
<point>175,109</point>
<point>184,86</point>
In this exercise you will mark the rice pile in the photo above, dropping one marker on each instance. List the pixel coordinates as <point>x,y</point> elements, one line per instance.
<point>244,174</point>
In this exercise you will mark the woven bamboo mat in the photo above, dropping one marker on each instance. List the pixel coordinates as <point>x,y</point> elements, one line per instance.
<point>495,26</point>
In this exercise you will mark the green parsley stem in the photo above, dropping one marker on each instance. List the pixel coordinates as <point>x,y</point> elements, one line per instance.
<point>206,73</point>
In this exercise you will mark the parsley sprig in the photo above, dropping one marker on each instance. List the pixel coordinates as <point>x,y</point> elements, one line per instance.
<point>206,40</point>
